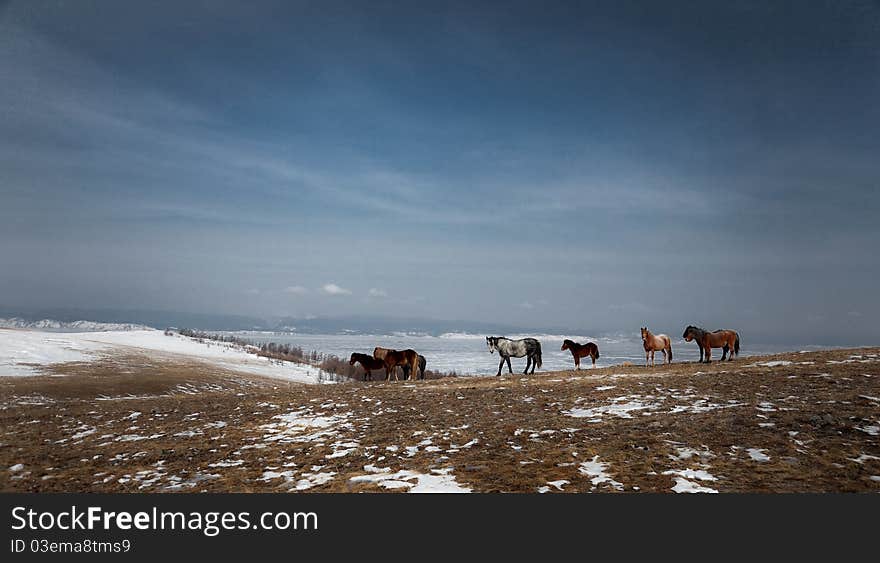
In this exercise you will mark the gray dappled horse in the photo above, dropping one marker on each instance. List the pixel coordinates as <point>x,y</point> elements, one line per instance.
<point>528,347</point>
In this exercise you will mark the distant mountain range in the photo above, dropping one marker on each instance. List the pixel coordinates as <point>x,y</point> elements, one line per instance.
<point>155,319</point>
<point>107,319</point>
<point>74,326</point>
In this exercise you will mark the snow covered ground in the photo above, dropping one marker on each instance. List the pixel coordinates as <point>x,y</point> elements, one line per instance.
<point>22,352</point>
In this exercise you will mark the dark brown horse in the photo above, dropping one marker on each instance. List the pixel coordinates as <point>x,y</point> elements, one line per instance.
<point>581,351</point>
<point>368,362</point>
<point>393,358</point>
<point>728,340</point>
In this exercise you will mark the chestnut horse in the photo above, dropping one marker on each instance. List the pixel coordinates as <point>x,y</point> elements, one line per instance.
<point>727,340</point>
<point>369,363</point>
<point>379,353</point>
<point>581,351</point>
<point>653,343</point>
<point>408,359</point>
<point>422,364</point>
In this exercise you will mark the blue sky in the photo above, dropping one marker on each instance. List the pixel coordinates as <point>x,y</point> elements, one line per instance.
<point>598,166</point>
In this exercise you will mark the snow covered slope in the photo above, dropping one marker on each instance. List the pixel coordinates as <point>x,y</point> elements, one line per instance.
<point>21,351</point>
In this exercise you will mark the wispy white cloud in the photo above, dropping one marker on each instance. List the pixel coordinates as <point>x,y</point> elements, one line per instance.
<point>374,292</point>
<point>296,290</point>
<point>333,289</point>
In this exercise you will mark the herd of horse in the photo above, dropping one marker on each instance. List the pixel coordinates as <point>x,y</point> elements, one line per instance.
<point>408,360</point>
<point>411,362</point>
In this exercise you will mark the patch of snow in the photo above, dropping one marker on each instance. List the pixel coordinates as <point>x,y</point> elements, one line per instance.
<point>302,426</point>
<point>439,481</point>
<point>771,364</point>
<point>701,406</point>
<point>595,469</point>
<point>227,463</point>
<point>863,458</point>
<point>310,480</point>
<point>682,485</point>
<point>136,437</point>
<point>699,474</point>
<point>685,453</point>
<point>83,432</point>
<point>617,408</point>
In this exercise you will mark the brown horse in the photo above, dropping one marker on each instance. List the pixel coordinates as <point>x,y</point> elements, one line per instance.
<point>408,359</point>
<point>727,340</point>
<point>581,351</point>
<point>369,363</point>
<point>653,343</point>
<point>422,364</point>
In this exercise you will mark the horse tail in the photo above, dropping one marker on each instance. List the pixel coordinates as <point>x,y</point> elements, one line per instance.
<point>669,347</point>
<point>736,344</point>
<point>596,348</point>
<point>539,353</point>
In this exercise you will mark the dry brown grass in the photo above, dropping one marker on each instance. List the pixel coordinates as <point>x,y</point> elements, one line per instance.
<point>74,428</point>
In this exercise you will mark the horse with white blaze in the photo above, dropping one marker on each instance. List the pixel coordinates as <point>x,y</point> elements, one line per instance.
<point>528,347</point>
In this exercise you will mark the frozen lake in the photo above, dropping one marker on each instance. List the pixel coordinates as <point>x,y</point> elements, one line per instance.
<point>467,354</point>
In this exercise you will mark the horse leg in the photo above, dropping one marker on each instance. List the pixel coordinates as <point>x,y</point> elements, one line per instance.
<point>724,350</point>
<point>528,363</point>
<point>709,354</point>
<point>534,364</point>
<point>509,368</point>
<point>577,362</point>
<point>647,355</point>
<point>501,365</point>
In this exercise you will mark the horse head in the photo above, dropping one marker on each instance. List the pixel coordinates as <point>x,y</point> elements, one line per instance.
<point>566,343</point>
<point>491,342</point>
<point>689,333</point>
<point>644,330</point>
<point>351,360</point>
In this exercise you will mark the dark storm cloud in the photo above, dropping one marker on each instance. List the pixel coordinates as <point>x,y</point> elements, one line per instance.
<point>597,166</point>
